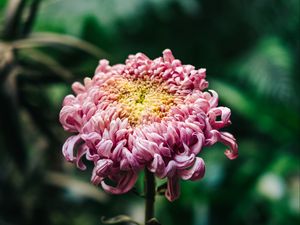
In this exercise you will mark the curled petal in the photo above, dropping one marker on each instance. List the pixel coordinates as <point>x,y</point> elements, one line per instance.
<point>124,183</point>
<point>96,179</point>
<point>224,112</point>
<point>104,148</point>
<point>171,169</point>
<point>157,166</point>
<point>229,140</point>
<point>164,151</point>
<point>92,155</point>
<point>142,150</point>
<point>117,151</point>
<point>195,172</point>
<point>68,147</point>
<point>69,99</point>
<point>69,118</point>
<point>173,188</point>
<point>196,148</point>
<point>129,161</point>
<point>213,101</point>
<point>91,139</point>
<point>81,152</point>
<point>184,161</point>
<point>225,138</point>
<point>171,136</point>
<point>101,170</point>
<point>121,134</point>
<point>103,167</point>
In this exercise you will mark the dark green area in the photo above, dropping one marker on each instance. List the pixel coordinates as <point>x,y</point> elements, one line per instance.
<point>251,52</point>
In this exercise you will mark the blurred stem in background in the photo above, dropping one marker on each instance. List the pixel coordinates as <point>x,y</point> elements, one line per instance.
<point>25,68</point>
<point>13,29</point>
<point>16,37</point>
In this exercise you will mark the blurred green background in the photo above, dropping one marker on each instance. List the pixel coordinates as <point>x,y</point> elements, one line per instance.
<point>251,52</point>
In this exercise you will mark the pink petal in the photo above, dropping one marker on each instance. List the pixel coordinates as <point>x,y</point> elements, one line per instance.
<point>173,188</point>
<point>68,147</point>
<point>229,140</point>
<point>81,152</point>
<point>124,184</point>
<point>195,172</point>
<point>157,166</point>
<point>104,148</point>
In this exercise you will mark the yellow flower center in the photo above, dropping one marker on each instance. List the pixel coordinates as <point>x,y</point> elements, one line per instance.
<point>142,101</point>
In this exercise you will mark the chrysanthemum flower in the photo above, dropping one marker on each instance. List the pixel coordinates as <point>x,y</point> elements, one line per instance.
<point>147,113</point>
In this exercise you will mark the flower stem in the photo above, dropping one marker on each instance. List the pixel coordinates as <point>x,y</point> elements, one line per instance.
<point>149,195</point>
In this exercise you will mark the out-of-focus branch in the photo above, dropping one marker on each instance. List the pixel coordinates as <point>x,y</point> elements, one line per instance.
<point>28,24</point>
<point>81,188</point>
<point>13,18</point>
<point>10,121</point>
<point>47,38</point>
<point>50,63</point>
<point>6,61</point>
<point>35,77</point>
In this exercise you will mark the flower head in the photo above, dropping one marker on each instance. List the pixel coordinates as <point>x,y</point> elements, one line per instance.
<point>146,113</point>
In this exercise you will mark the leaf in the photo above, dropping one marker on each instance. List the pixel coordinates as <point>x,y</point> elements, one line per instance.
<point>79,188</point>
<point>257,113</point>
<point>153,221</point>
<point>268,69</point>
<point>119,219</point>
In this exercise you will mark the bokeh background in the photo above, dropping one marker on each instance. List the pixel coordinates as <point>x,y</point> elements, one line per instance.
<point>251,52</point>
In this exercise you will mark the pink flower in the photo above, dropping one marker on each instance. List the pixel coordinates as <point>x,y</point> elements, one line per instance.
<point>147,113</point>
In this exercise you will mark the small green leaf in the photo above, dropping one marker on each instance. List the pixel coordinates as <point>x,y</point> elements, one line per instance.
<point>153,221</point>
<point>119,219</point>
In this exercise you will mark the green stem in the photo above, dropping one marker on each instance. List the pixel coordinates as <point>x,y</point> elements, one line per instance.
<point>149,195</point>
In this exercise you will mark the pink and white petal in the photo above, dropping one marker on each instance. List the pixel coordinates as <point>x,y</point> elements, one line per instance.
<point>224,112</point>
<point>197,147</point>
<point>96,179</point>
<point>213,101</point>
<point>117,151</point>
<point>124,184</point>
<point>103,167</point>
<point>171,169</point>
<point>91,139</point>
<point>80,153</point>
<point>168,56</point>
<point>68,147</point>
<point>165,151</point>
<point>195,172</point>
<point>70,119</point>
<point>78,88</point>
<point>129,161</point>
<point>142,150</point>
<point>173,188</point>
<point>104,148</point>
<point>229,140</point>
<point>184,161</point>
<point>103,66</point>
<point>158,166</point>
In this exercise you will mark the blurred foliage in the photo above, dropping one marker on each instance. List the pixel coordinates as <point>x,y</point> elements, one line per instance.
<point>251,52</point>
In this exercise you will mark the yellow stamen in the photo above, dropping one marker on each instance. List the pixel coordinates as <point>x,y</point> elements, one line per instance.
<point>141,100</point>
